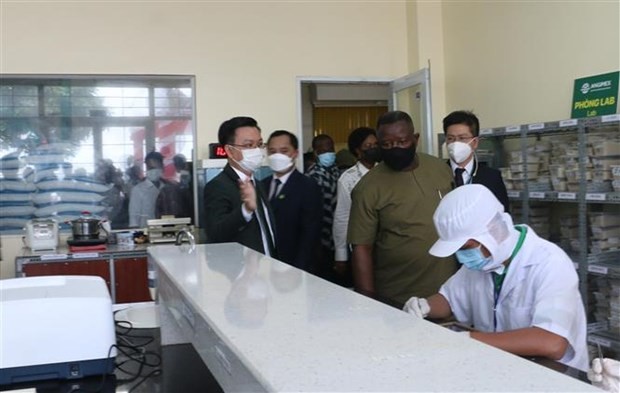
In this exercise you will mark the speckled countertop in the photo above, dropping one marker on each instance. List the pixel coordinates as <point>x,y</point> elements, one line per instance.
<point>296,332</point>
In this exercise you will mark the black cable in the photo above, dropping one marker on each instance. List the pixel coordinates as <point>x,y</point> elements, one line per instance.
<point>136,353</point>
<point>142,355</point>
<point>128,330</point>
<point>133,352</point>
<point>126,338</point>
<point>147,376</point>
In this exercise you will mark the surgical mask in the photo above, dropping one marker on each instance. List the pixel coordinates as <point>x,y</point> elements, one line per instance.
<point>252,159</point>
<point>473,259</point>
<point>371,155</point>
<point>153,174</point>
<point>280,162</point>
<point>398,158</point>
<point>459,151</point>
<point>327,159</point>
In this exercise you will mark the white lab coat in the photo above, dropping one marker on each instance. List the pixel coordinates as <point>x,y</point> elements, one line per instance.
<point>541,289</point>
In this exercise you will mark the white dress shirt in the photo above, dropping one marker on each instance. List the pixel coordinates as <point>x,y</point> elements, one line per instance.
<point>247,215</point>
<point>346,183</point>
<point>282,179</point>
<point>467,175</point>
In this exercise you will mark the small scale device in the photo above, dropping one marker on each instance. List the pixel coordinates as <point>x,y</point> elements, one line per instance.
<point>55,327</point>
<point>41,234</point>
<point>165,230</point>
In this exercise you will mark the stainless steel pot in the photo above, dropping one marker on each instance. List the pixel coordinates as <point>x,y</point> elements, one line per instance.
<point>86,227</point>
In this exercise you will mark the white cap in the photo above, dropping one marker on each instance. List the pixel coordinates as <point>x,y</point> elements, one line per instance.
<point>465,213</point>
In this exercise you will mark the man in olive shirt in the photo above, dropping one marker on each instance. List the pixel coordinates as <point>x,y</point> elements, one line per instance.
<point>391,222</point>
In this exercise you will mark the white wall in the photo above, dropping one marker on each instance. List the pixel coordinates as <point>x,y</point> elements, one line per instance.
<point>246,55</point>
<point>514,62</point>
<point>511,61</point>
<point>426,48</point>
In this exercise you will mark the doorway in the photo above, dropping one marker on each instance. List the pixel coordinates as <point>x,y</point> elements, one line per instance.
<point>336,106</point>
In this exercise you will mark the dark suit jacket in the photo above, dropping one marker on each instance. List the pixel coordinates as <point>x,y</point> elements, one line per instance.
<point>224,220</point>
<point>298,211</point>
<point>491,178</point>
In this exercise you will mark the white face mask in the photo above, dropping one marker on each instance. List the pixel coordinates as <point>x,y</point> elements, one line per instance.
<point>460,151</point>
<point>280,162</point>
<point>153,174</point>
<point>252,159</point>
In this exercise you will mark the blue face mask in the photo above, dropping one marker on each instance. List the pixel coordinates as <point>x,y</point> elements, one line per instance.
<point>473,259</point>
<point>327,159</point>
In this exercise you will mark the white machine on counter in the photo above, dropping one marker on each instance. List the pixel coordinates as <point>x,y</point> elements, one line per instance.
<point>41,234</point>
<point>165,229</point>
<point>55,327</point>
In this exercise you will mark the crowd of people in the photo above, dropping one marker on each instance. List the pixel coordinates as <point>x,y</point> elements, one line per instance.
<point>432,236</point>
<point>138,196</point>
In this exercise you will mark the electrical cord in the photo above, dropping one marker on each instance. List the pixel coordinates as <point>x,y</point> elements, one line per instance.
<point>147,376</point>
<point>133,348</point>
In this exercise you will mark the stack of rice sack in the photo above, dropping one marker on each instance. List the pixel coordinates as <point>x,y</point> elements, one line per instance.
<point>60,194</point>
<point>16,188</point>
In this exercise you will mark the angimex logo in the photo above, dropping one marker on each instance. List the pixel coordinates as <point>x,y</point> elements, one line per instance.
<point>596,86</point>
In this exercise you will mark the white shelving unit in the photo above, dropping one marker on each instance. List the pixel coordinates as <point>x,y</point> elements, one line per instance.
<point>585,151</point>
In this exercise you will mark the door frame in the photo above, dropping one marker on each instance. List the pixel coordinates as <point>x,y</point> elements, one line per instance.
<point>325,79</point>
<point>421,77</point>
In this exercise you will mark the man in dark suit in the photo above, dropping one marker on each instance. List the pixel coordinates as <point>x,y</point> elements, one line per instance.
<point>461,129</point>
<point>236,206</point>
<point>296,202</point>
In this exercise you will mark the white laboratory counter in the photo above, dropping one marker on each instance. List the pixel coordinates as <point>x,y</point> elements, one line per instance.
<point>261,325</point>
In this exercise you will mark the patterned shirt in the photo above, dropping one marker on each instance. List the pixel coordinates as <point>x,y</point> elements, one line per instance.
<point>327,179</point>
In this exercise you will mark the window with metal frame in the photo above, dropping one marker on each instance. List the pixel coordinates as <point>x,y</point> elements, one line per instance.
<point>78,143</point>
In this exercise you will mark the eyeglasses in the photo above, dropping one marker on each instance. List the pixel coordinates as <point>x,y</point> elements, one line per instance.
<point>400,143</point>
<point>459,138</point>
<point>247,146</point>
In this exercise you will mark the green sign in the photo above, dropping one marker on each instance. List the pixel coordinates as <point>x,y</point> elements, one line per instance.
<point>595,95</point>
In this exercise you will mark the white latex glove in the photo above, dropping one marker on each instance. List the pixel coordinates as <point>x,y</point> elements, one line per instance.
<point>417,306</point>
<point>605,374</point>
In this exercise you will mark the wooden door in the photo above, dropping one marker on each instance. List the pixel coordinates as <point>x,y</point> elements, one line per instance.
<point>96,267</point>
<point>130,276</point>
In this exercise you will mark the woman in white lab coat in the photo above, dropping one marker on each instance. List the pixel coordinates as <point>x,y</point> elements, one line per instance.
<point>518,291</point>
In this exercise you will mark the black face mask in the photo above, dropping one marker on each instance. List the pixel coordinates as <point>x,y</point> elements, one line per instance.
<point>398,158</point>
<point>371,155</point>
